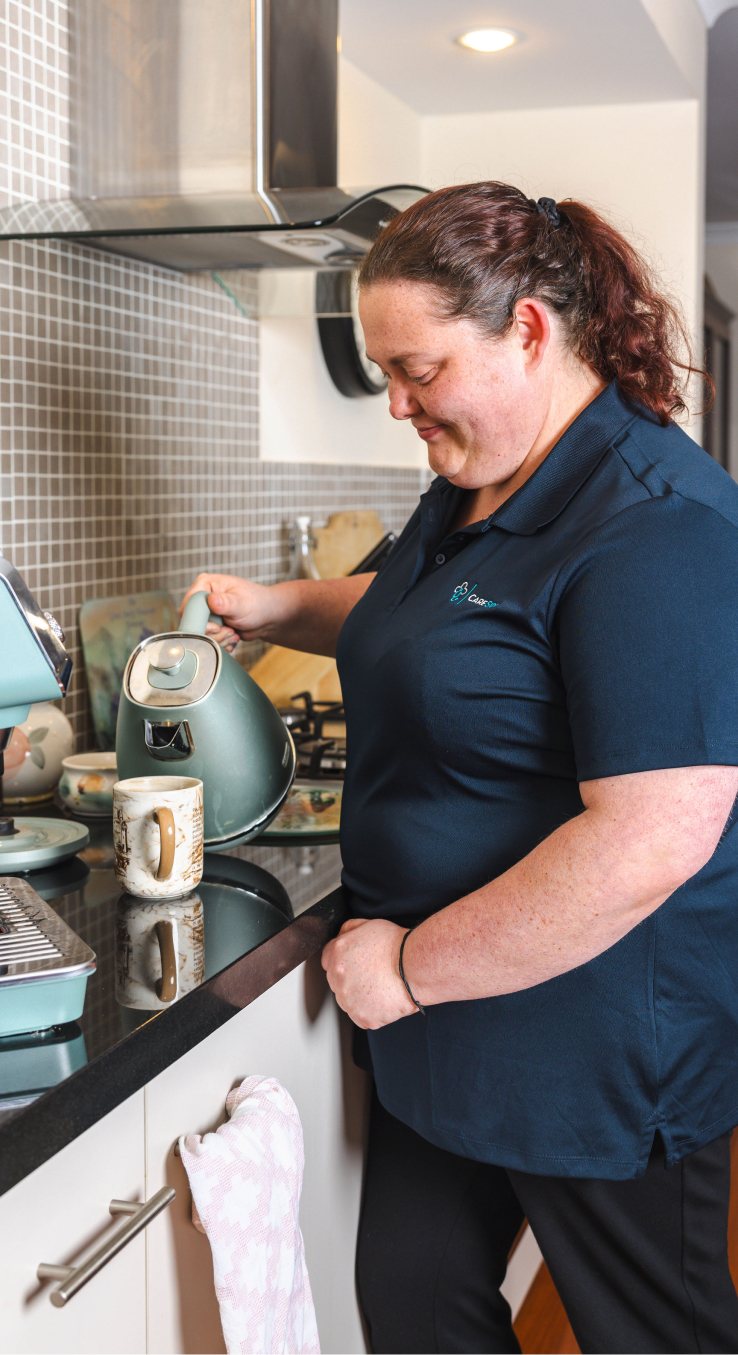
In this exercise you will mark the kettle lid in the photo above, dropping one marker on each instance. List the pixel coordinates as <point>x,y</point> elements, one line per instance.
<point>172,670</point>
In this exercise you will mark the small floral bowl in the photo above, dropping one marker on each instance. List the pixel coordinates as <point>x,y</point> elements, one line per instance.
<point>86,786</point>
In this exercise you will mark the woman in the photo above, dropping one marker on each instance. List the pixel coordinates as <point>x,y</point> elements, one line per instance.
<point>542,715</point>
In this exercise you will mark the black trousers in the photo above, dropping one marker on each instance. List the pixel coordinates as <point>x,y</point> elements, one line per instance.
<point>640,1266</point>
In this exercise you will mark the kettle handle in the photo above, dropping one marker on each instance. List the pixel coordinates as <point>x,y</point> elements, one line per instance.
<point>196,615</point>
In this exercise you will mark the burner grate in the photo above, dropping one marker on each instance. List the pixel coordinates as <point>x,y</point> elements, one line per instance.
<point>320,753</point>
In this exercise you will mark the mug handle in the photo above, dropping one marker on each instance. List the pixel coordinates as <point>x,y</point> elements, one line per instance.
<point>165,819</point>
<point>166,986</point>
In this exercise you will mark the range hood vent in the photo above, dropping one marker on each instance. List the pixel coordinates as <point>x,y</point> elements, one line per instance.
<point>205,136</point>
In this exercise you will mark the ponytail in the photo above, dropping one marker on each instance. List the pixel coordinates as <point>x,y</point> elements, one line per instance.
<point>485,246</point>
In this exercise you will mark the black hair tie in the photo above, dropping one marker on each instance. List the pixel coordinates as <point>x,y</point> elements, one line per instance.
<point>547,207</point>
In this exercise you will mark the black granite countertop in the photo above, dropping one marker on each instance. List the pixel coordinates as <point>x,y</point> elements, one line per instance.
<point>257,924</point>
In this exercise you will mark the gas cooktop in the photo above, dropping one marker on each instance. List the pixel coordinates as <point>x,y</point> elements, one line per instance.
<point>319,733</point>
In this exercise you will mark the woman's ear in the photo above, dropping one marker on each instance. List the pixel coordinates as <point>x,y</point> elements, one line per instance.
<point>534,331</point>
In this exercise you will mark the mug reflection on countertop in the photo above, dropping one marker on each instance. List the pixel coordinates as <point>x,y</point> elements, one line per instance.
<point>159,950</point>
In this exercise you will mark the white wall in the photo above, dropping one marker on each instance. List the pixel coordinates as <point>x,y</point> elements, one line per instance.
<point>302,415</point>
<point>378,134</point>
<point>682,27</point>
<point>641,164</point>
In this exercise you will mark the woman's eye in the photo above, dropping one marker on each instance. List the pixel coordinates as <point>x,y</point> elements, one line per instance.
<point>421,380</point>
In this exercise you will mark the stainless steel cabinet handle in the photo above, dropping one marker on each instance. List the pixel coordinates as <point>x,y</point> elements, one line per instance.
<point>72,1278</point>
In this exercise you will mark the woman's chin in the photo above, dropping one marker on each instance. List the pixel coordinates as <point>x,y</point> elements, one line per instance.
<point>446,461</point>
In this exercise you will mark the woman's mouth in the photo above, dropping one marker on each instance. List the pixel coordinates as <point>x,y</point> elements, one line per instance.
<point>427,433</point>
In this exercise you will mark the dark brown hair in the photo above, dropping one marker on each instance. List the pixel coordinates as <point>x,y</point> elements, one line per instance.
<point>485,246</point>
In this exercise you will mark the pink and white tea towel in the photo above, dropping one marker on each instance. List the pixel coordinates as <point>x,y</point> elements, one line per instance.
<point>246,1181</point>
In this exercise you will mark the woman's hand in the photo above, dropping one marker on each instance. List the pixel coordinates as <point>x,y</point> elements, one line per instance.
<point>304,614</point>
<point>247,609</point>
<point>362,965</point>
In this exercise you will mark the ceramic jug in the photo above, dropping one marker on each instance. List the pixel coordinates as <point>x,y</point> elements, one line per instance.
<point>33,758</point>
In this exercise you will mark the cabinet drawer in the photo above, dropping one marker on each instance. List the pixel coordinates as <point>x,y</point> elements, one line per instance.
<point>57,1216</point>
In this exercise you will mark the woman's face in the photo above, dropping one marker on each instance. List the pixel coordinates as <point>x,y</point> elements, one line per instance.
<point>480,404</point>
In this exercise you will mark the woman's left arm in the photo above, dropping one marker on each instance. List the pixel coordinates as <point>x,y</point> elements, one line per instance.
<point>640,837</point>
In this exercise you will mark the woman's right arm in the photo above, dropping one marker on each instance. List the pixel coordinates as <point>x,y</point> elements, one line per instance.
<point>305,614</point>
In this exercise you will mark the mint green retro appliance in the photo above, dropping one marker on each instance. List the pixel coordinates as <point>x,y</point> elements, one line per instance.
<point>35,667</point>
<point>188,708</point>
<point>44,965</point>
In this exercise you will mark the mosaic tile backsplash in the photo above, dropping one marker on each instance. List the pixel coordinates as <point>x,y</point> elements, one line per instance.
<point>129,437</point>
<point>129,419</point>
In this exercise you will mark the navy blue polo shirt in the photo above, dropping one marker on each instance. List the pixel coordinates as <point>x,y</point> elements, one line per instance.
<point>588,628</point>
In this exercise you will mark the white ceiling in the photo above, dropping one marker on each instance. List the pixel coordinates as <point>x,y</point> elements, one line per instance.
<point>572,52</point>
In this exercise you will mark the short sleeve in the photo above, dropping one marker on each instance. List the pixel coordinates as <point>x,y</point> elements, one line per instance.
<point>645,622</point>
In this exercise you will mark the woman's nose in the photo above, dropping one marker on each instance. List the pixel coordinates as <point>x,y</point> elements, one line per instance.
<point>403,402</point>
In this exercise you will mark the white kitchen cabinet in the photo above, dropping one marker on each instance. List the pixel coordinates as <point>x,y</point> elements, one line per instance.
<point>293,1032</point>
<point>57,1215</point>
<point>157,1294</point>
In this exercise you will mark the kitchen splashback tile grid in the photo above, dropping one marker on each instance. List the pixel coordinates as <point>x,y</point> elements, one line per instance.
<point>129,436</point>
<point>34,99</point>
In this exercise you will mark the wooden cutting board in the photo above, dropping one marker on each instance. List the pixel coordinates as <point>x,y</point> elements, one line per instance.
<point>282,673</point>
<point>110,629</point>
<point>345,540</point>
<point>341,544</point>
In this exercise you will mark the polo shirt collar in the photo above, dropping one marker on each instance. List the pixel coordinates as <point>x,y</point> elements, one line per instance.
<point>569,463</point>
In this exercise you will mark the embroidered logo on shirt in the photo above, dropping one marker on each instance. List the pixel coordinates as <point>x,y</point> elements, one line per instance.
<point>462,593</point>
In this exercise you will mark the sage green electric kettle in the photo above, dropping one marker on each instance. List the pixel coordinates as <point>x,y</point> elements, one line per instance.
<point>188,708</point>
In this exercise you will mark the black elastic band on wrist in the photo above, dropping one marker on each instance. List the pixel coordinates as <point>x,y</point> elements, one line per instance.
<point>410,993</point>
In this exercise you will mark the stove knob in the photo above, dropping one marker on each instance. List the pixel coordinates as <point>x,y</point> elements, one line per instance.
<point>53,625</point>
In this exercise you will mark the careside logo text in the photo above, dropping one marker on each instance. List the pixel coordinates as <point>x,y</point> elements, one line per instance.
<point>463,593</point>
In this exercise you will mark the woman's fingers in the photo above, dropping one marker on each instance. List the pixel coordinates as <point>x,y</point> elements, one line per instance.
<point>329,949</point>
<point>223,635</point>
<point>362,970</point>
<point>234,601</point>
<point>204,583</point>
<point>352,924</point>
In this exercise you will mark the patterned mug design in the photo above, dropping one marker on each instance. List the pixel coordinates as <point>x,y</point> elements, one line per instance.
<point>158,835</point>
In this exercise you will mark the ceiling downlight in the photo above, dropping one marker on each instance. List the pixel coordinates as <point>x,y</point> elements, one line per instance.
<point>488,39</point>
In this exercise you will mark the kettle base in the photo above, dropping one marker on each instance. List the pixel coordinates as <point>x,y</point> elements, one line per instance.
<point>222,844</point>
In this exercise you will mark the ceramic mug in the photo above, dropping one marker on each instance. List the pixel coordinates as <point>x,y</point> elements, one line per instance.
<point>159,950</point>
<point>157,831</point>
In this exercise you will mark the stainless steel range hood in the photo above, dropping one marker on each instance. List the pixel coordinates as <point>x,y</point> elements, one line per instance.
<point>204,135</point>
